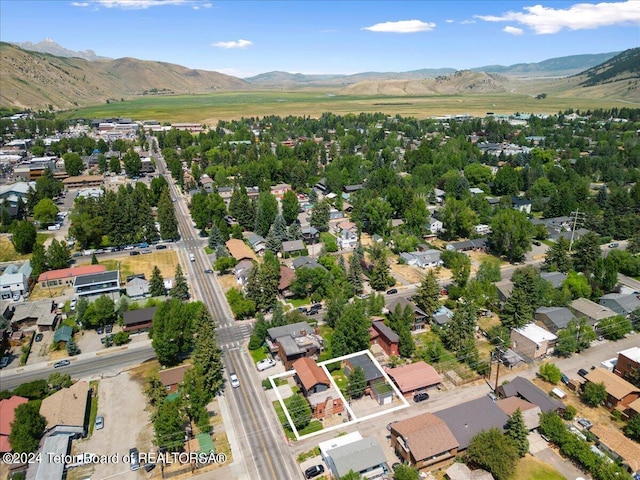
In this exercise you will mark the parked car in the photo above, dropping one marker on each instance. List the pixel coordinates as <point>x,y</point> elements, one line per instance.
<point>73,303</point>
<point>536,243</point>
<point>4,362</point>
<point>160,247</point>
<point>134,459</point>
<point>99,330</point>
<point>61,363</point>
<point>565,379</point>
<point>582,372</point>
<point>16,297</point>
<point>265,363</point>
<point>39,337</point>
<point>303,309</point>
<point>235,383</point>
<point>129,247</point>
<point>108,328</point>
<point>99,422</point>
<point>146,250</point>
<point>149,466</point>
<point>614,245</point>
<point>313,471</point>
<point>134,252</point>
<point>420,397</point>
<point>584,423</point>
<point>492,396</point>
<point>143,245</point>
<point>392,291</point>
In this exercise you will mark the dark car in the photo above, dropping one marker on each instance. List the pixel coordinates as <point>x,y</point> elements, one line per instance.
<point>392,291</point>
<point>160,247</point>
<point>108,328</point>
<point>208,270</point>
<point>61,363</point>
<point>149,466</point>
<point>134,252</point>
<point>420,397</point>
<point>536,243</point>
<point>564,379</point>
<point>582,372</point>
<point>303,309</point>
<point>99,330</point>
<point>134,459</point>
<point>39,337</point>
<point>313,471</point>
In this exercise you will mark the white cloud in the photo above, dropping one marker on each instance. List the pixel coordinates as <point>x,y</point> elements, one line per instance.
<point>139,4</point>
<point>448,20</point>
<point>467,22</point>
<point>402,26</point>
<point>581,16</point>
<point>233,44</point>
<point>513,30</point>
<point>80,4</point>
<point>204,5</point>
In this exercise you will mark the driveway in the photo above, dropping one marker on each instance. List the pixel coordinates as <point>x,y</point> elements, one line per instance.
<point>540,449</point>
<point>126,424</point>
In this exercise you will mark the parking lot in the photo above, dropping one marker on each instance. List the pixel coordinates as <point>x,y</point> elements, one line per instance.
<point>126,424</point>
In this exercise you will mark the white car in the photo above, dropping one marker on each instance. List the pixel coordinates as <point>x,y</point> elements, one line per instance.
<point>265,363</point>
<point>73,304</point>
<point>235,383</point>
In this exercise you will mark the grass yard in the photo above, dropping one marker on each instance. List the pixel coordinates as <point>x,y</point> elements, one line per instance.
<point>9,254</point>
<point>282,418</point>
<point>341,380</point>
<point>530,468</point>
<point>93,412</point>
<point>165,260</point>
<point>299,302</point>
<point>258,354</point>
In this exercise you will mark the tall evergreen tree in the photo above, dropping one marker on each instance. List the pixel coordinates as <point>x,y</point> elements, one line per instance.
<point>156,283</point>
<point>167,216</point>
<point>586,253</point>
<point>207,357</point>
<point>265,213</point>
<point>462,326</point>
<point>215,237</point>
<point>428,294</point>
<point>518,432</point>
<point>180,287</point>
<point>277,235</point>
<point>242,209</point>
<point>519,308</point>
<point>557,258</point>
<point>294,232</point>
<point>354,276</point>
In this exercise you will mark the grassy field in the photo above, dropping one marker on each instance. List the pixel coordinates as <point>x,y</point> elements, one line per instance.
<point>165,260</point>
<point>9,254</point>
<point>530,468</point>
<point>209,108</point>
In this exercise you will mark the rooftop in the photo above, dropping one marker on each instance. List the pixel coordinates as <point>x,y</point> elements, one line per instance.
<point>132,317</point>
<point>414,376</point>
<point>632,353</point>
<point>71,272</point>
<point>615,441</point>
<point>371,372</point>
<point>309,373</point>
<point>294,329</point>
<point>426,435</point>
<point>535,333</point>
<point>523,388</point>
<point>109,276</point>
<point>7,414</point>
<point>384,330</point>
<point>67,406</point>
<point>357,456</point>
<point>584,306</point>
<point>616,386</point>
<point>173,376</point>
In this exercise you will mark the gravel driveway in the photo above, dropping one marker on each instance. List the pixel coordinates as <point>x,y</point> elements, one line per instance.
<point>126,424</point>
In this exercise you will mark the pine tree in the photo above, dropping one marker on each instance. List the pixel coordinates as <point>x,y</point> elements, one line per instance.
<point>242,209</point>
<point>294,232</point>
<point>518,431</point>
<point>557,258</point>
<point>356,383</point>
<point>207,357</point>
<point>222,251</point>
<point>215,237</point>
<point>167,216</point>
<point>277,234</point>
<point>428,294</point>
<point>180,288</point>
<point>94,259</point>
<point>354,276</point>
<point>156,283</point>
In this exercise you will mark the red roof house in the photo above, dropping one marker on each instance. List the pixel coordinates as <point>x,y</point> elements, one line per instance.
<point>414,377</point>
<point>7,415</point>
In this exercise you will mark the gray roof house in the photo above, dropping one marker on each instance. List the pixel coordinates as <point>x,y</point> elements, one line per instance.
<point>305,262</point>
<point>523,388</point>
<point>593,312</point>
<point>420,317</point>
<point>364,457</point>
<point>442,315</point>
<point>257,242</point>
<point>470,418</point>
<point>137,288</point>
<point>15,279</point>
<point>554,318</point>
<point>554,278</point>
<point>423,259</point>
<point>371,372</point>
<point>293,246</point>
<point>622,304</point>
<point>97,283</point>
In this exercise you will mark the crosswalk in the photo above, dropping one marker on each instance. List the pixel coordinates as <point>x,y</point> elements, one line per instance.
<point>233,336</point>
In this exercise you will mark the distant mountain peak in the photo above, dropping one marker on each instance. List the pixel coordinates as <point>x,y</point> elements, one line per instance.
<point>49,46</point>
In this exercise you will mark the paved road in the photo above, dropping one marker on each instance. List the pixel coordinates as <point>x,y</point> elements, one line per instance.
<point>257,441</point>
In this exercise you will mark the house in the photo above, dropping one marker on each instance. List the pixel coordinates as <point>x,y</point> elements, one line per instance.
<point>347,239</point>
<point>66,276</point>
<point>310,377</point>
<point>352,188</point>
<point>628,363</point>
<point>377,387</point>
<point>524,389</point>
<point>620,393</point>
<point>554,318</point>
<point>505,289</point>
<point>171,378</point>
<point>83,181</point>
<point>294,341</point>
<point>12,194</point>
<point>7,415</point>
<point>67,407</point>
<point>423,259</point>
<point>280,189</point>
<point>286,277</point>
<point>424,442</point>
<point>521,204</point>
<point>137,288</point>
<point>591,311</point>
<point>612,441</point>
<point>442,316</point>
<point>15,280</point>
<point>439,195</point>
<point>42,313</point>
<point>291,247</point>
<point>435,225</point>
<point>364,457</point>
<point>207,183</point>
<point>242,270</point>
<point>476,191</point>
<point>97,283</point>
<point>420,317</point>
<point>258,243</point>
<point>225,193</point>
<point>554,278</point>
<point>468,419</point>
<point>530,412</point>
<point>346,225</point>
<point>477,244</point>
<point>621,303</point>
<point>305,262</point>
<point>310,235</point>
<point>532,341</point>
<point>239,250</point>
<point>381,334</point>
<point>63,335</point>
<point>141,320</point>
<point>414,377</point>
<point>459,471</point>
<point>482,229</point>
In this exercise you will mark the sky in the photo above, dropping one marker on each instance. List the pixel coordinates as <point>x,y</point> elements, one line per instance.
<point>245,38</point>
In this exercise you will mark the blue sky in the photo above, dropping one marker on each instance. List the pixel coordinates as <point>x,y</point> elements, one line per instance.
<point>244,38</point>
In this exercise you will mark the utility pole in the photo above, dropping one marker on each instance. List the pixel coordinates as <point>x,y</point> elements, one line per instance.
<point>495,390</point>
<point>573,227</point>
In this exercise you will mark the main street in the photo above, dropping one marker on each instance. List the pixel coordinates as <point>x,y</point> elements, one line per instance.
<point>260,450</point>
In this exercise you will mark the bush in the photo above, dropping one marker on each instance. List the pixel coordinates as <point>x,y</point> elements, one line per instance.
<point>569,412</point>
<point>121,338</point>
<point>266,384</point>
<point>549,372</point>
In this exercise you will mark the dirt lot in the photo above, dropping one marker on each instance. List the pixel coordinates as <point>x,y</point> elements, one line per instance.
<point>126,425</point>
<point>227,282</point>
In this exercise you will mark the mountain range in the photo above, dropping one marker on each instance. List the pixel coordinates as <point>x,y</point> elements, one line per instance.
<point>47,75</point>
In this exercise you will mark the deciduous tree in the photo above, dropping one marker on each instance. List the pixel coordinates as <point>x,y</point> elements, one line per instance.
<point>494,452</point>
<point>45,211</point>
<point>27,428</point>
<point>23,236</point>
<point>511,234</point>
<point>356,383</point>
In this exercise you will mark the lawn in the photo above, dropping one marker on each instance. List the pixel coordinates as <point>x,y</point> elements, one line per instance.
<point>283,420</point>
<point>9,254</point>
<point>341,380</point>
<point>299,302</point>
<point>93,412</point>
<point>165,260</point>
<point>258,354</point>
<point>530,468</point>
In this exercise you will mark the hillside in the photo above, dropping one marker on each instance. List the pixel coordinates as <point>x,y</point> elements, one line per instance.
<point>39,80</point>
<point>622,67</point>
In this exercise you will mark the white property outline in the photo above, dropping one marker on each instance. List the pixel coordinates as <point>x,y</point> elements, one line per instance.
<point>354,418</point>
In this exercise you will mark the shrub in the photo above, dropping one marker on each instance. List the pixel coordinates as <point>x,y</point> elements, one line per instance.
<point>569,412</point>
